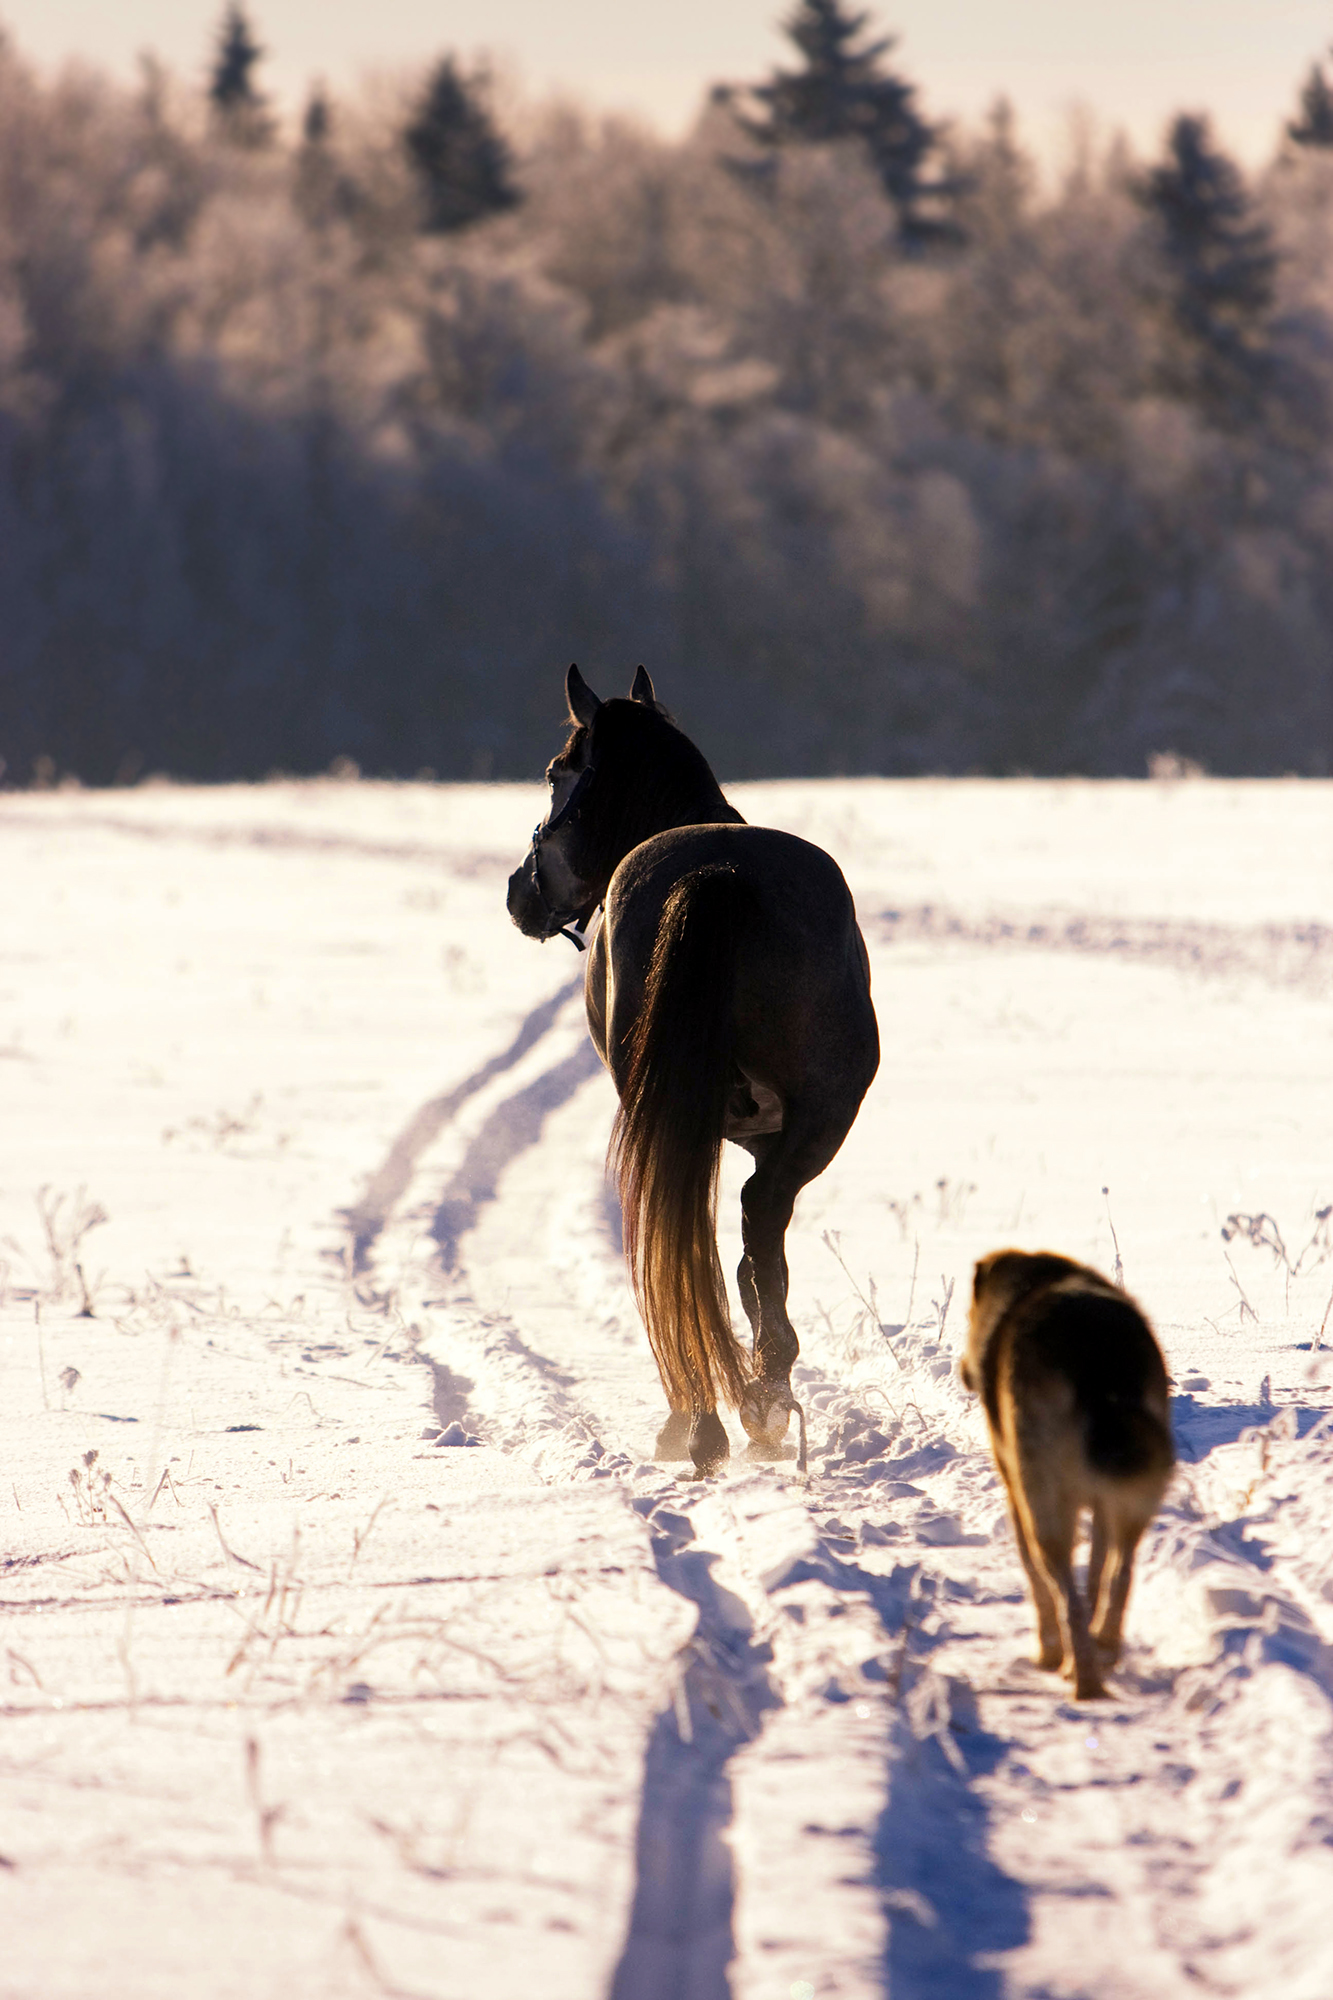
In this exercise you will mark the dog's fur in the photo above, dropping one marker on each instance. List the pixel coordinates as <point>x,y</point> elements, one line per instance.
<point>1075,1392</point>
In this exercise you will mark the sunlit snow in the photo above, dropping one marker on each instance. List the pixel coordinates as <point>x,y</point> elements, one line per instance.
<point>353,1643</point>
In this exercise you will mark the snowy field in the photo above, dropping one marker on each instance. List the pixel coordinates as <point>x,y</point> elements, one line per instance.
<point>353,1644</point>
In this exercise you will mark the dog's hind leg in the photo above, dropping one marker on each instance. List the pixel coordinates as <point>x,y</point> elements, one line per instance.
<point>1055,1541</point>
<point>1050,1646</point>
<point>1110,1622</point>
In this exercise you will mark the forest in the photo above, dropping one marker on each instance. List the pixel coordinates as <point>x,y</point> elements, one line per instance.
<point>332,439</point>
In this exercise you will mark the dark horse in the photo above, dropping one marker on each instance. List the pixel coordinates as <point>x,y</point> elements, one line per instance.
<point>728,993</point>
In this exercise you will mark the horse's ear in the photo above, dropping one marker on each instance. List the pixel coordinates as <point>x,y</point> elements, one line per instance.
<point>583,703</point>
<point>642,689</point>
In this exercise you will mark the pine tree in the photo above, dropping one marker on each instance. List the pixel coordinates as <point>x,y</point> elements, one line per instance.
<point>844,92</point>
<point>317,121</point>
<point>321,189</point>
<point>1220,267</point>
<point>1314,127</point>
<point>461,161</point>
<point>237,104</point>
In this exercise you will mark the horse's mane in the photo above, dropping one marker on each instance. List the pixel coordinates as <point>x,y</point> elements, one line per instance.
<point>649,776</point>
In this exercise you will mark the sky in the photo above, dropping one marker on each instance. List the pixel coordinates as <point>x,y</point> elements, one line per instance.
<point>1133,62</point>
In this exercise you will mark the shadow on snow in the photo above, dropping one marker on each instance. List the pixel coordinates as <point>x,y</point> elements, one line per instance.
<point>1201,1427</point>
<point>680,1941</point>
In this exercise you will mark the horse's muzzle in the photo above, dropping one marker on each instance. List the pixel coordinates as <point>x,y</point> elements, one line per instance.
<point>525,905</point>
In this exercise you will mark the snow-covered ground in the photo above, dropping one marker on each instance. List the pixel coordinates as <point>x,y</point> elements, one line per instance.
<point>352,1643</point>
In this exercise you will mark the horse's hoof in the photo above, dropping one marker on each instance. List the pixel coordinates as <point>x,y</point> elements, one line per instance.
<point>673,1440</point>
<point>765,1410</point>
<point>710,1446</point>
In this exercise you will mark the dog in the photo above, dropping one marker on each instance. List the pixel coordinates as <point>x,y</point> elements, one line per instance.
<point>1075,1393</point>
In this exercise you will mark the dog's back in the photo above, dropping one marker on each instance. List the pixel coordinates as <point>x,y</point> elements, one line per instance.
<point>1082,1333</point>
<point>1076,1397</point>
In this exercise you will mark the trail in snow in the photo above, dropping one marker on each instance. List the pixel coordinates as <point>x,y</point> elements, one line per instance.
<point>1291,955</point>
<point>905,1479</point>
<point>517,1125</point>
<point>389,1182</point>
<point>538,1701</point>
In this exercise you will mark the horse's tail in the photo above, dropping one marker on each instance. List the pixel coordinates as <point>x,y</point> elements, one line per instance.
<point>667,1140</point>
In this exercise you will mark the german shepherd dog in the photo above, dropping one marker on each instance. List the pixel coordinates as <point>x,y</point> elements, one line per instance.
<point>1075,1391</point>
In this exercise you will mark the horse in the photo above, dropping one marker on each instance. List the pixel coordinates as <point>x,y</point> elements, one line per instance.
<point>728,993</point>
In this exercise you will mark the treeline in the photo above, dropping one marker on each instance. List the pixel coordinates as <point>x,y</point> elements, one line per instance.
<point>883,455</point>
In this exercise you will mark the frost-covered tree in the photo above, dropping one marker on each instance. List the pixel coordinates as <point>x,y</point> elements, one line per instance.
<point>1032,337</point>
<point>1218,268</point>
<point>1314,125</point>
<point>462,163</point>
<point>238,104</point>
<point>843,90</point>
<point>276,486</point>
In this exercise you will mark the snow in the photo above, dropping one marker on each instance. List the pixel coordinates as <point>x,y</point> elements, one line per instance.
<point>387,1662</point>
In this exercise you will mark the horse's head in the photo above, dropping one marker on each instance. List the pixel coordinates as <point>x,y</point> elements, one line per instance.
<point>573,854</point>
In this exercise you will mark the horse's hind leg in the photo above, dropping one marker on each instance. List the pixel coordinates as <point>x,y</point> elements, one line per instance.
<point>702,1438</point>
<point>749,1291</point>
<point>789,1160</point>
<point>709,1444</point>
<point>766,1208</point>
<point>673,1440</point>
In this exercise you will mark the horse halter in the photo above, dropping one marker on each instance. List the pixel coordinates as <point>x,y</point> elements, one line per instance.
<point>564,921</point>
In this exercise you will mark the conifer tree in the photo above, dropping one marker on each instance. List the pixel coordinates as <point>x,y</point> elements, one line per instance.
<point>238,105</point>
<point>461,161</point>
<point>317,119</point>
<point>843,91</point>
<point>1314,127</point>
<point>1220,264</point>
<point>320,187</point>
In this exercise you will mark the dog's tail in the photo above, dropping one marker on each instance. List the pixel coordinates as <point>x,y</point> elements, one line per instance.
<point>668,1135</point>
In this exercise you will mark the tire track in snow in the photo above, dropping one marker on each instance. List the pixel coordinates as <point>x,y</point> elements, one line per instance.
<point>529,1407</point>
<point>755,1682</point>
<point>542,1410</point>
<point>680,1942</point>
<point>1285,955</point>
<point>681,1932</point>
<point>387,1185</point>
<point>512,1128</point>
<point>294,840</point>
<point>525,1395</point>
